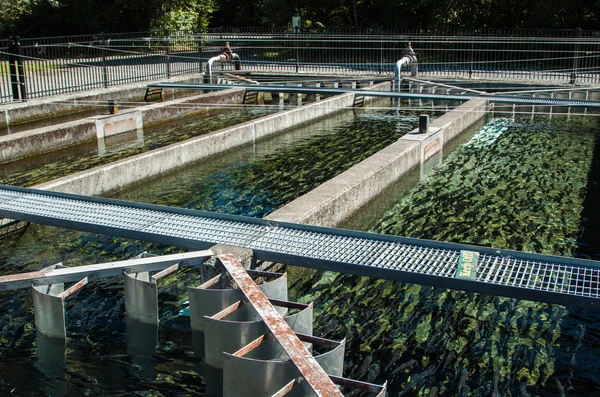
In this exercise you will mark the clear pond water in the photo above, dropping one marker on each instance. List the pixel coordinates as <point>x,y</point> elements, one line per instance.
<point>517,184</point>
<point>103,357</point>
<point>49,166</point>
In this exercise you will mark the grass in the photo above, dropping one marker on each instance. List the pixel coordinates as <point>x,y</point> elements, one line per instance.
<point>29,67</point>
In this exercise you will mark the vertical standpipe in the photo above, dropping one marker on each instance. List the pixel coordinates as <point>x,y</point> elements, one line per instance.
<point>220,58</point>
<point>405,60</point>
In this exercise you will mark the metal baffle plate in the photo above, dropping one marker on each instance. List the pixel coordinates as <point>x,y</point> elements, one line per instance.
<point>248,377</point>
<point>205,301</point>
<point>359,386</point>
<point>141,293</point>
<point>230,336</point>
<point>141,297</point>
<point>49,305</point>
<point>49,310</point>
<point>271,348</point>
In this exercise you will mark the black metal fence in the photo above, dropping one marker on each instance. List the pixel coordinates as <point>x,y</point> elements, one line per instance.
<point>565,59</point>
<point>5,91</point>
<point>40,67</point>
<point>413,32</point>
<point>59,65</point>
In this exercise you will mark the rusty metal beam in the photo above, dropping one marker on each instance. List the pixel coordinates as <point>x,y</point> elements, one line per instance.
<point>249,347</point>
<point>74,288</point>
<point>227,311</point>
<point>166,272</point>
<point>286,389</point>
<point>316,377</point>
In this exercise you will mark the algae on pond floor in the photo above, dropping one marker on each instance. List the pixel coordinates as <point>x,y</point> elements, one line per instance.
<point>515,185</point>
<point>39,169</point>
<point>522,189</point>
<point>251,181</point>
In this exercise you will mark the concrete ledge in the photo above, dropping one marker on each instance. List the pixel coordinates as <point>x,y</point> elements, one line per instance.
<point>114,124</point>
<point>456,121</point>
<point>338,198</point>
<point>46,139</point>
<point>429,144</point>
<point>159,112</point>
<point>42,140</point>
<point>119,174</point>
<point>447,127</point>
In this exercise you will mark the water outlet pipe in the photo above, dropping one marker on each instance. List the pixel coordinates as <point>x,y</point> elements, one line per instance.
<point>221,58</point>
<point>405,60</point>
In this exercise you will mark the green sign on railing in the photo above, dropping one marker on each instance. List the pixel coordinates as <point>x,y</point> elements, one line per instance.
<point>467,265</point>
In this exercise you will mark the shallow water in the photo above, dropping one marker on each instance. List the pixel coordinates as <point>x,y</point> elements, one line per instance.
<point>101,356</point>
<point>522,185</point>
<point>49,166</point>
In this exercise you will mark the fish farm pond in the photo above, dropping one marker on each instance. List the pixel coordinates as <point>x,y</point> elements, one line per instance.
<point>523,183</point>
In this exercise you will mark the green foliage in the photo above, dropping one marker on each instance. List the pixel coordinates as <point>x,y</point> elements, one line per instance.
<point>11,11</point>
<point>182,15</point>
<point>51,17</point>
<point>64,17</point>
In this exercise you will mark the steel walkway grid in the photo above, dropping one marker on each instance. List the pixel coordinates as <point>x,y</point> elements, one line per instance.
<point>514,274</point>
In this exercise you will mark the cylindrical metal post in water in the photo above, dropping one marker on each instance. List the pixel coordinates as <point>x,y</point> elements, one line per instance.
<point>112,106</point>
<point>423,124</point>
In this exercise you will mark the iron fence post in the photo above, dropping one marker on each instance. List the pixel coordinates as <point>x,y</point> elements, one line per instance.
<point>575,56</point>
<point>17,71</point>
<point>167,60</point>
<point>380,55</point>
<point>199,36</point>
<point>12,60</point>
<point>472,55</point>
<point>297,55</point>
<point>104,70</point>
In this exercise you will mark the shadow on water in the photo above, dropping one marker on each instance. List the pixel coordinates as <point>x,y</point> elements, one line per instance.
<point>588,244</point>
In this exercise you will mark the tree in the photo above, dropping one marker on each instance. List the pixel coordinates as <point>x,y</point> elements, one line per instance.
<point>184,15</point>
<point>68,17</point>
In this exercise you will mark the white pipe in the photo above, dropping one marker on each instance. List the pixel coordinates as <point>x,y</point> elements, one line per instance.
<point>221,58</point>
<point>405,60</point>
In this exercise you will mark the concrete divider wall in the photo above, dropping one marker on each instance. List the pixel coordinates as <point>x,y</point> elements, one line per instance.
<point>456,121</point>
<point>332,202</point>
<point>336,199</point>
<point>53,137</point>
<point>159,112</point>
<point>46,139</point>
<point>117,175</point>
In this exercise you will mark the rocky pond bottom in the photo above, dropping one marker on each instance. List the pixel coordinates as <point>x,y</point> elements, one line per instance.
<point>517,184</point>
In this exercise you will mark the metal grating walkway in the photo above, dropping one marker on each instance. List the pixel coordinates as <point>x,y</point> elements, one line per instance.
<point>515,274</point>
